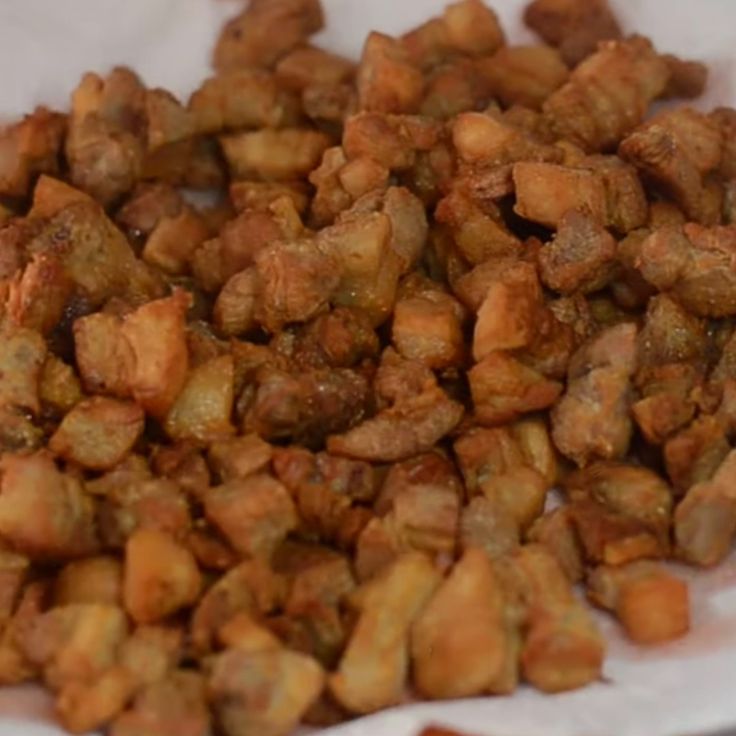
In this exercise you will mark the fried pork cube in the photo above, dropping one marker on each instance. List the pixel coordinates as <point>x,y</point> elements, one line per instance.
<point>580,258</point>
<point>306,407</point>
<point>692,263</point>
<point>75,643</point>
<point>368,268</point>
<point>28,148</point>
<point>633,491</point>
<point>502,389</point>
<point>453,88</point>
<point>574,26</point>
<point>472,28</point>
<point>592,418</point>
<point>489,526</point>
<point>372,672</point>
<point>675,150</point>
<point>427,329</point>
<point>555,530</point>
<point>43,512</point>
<point>150,652</point>
<point>167,121</point>
<point>508,317</point>
<point>725,118</point>
<point>242,98</point>
<point>91,580</point>
<point>148,204</point>
<point>472,287</point>
<point>103,356</point>
<point>255,513</point>
<point>459,644</point>
<point>524,75</point>
<point>104,145</point>
<point>160,576</point>
<point>175,705</point>
<point>546,192</point>
<point>234,310</point>
<point>239,457</point>
<point>22,356</point>
<point>265,31</point>
<point>310,65</point>
<point>386,80</point>
<point>281,155</point>
<point>263,693</point>
<point>259,195</point>
<point>297,280</point>
<point>202,411</point>
<point>98,432</point>
<point>688,79</point>
<point>156,336</point>
<point>652,604</point>
<point>15,667</point>
<point>408,428</point>
<point>563,648</point>
<point>173,240</point>
<point>607,94</point>
<point>694,454</point>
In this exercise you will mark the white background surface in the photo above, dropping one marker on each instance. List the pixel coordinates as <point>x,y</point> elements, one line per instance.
<point>687,688</point>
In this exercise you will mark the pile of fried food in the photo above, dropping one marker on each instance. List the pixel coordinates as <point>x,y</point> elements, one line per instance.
<point>286,457</point>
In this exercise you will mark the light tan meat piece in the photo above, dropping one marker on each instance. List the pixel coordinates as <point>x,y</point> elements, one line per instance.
<point>155,333</point>
<point>412,426</point>
<point>263,693</point>
<point>502,389</point>
<point>581,257</point>
<point>555,530</point>
<point>280,155</point>
<point>173,241</point>
<point>22,355</point>
<point>524,75</point>
<point>675,150</point>
<point>264,31</point>
<point>160,576</point>
<point>652,605</point>
<point>98,432</point>
<point>453,88</point>
<point>545,192</point>
<point>255,513</point>
<point>43,512</point>
<point>310,65</point>
<point>592,418</point>
<point>694,265</point>
<point>147,205</point>
<point>90,580</point>
<point>259,195</point>
<point>608,94</point>
<point>574,26</point>
<point>239,457</point>
<point>372,672</point>
<point>459,643</point>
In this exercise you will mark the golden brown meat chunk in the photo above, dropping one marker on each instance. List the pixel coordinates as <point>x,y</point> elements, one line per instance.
<point>453,88</point>
<point>503,388</point>
<point>411,426</point>
<point>652,604</point>
<point>22,355</point>
<point>98,432</point>
<point>688,79</point>
<point>546,192</point>
<point>265,31</point>
<point>459,643</point>
<point>239,457</point>
<point>263,693</point>
<point>675,150</point>
<point>608,94</point>
<point>43,512</point>
<point>372,672</point>
<point>160,576</point>
<point>580,258</point>
<point>28,148</point>
<point>592,418</point>
<point>155,333</point>
<point>524,75</point>
<point>91,580</point>
<point>693,264</point>
<point>574,26</point>
<point>387,81</point>
<point>255,513</point>
<point>172,242</point>
<point>281,155</point>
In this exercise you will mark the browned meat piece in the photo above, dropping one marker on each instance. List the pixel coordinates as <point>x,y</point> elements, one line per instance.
<point>608,94</point>
<point>502,389</point>
<point>524,75</point>
<point>592,418</point>
<point>472,287</point>
<point>239,457</point>
<point>676,149</point>
<point>582,256</point>
<point>147,205</point>
<point>260,195</point>
<point>28,148</point>
<point>693,263</point>
<point>575,26</point>
<point>556,532</point>
<point>546,192</point>
<point>173,241</point>
<point>411,426</point>
<point>453,88</point>
<point>22,355</point>
<point>265,31</point>
<point>688,78</point>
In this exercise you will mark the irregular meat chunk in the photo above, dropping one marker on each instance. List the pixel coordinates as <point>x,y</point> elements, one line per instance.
<point>22,355</point>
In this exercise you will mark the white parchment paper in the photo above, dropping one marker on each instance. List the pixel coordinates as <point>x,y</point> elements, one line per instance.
<point>687,688</point>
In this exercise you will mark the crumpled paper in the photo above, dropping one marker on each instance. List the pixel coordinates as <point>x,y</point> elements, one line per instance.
<point>682,689</point>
